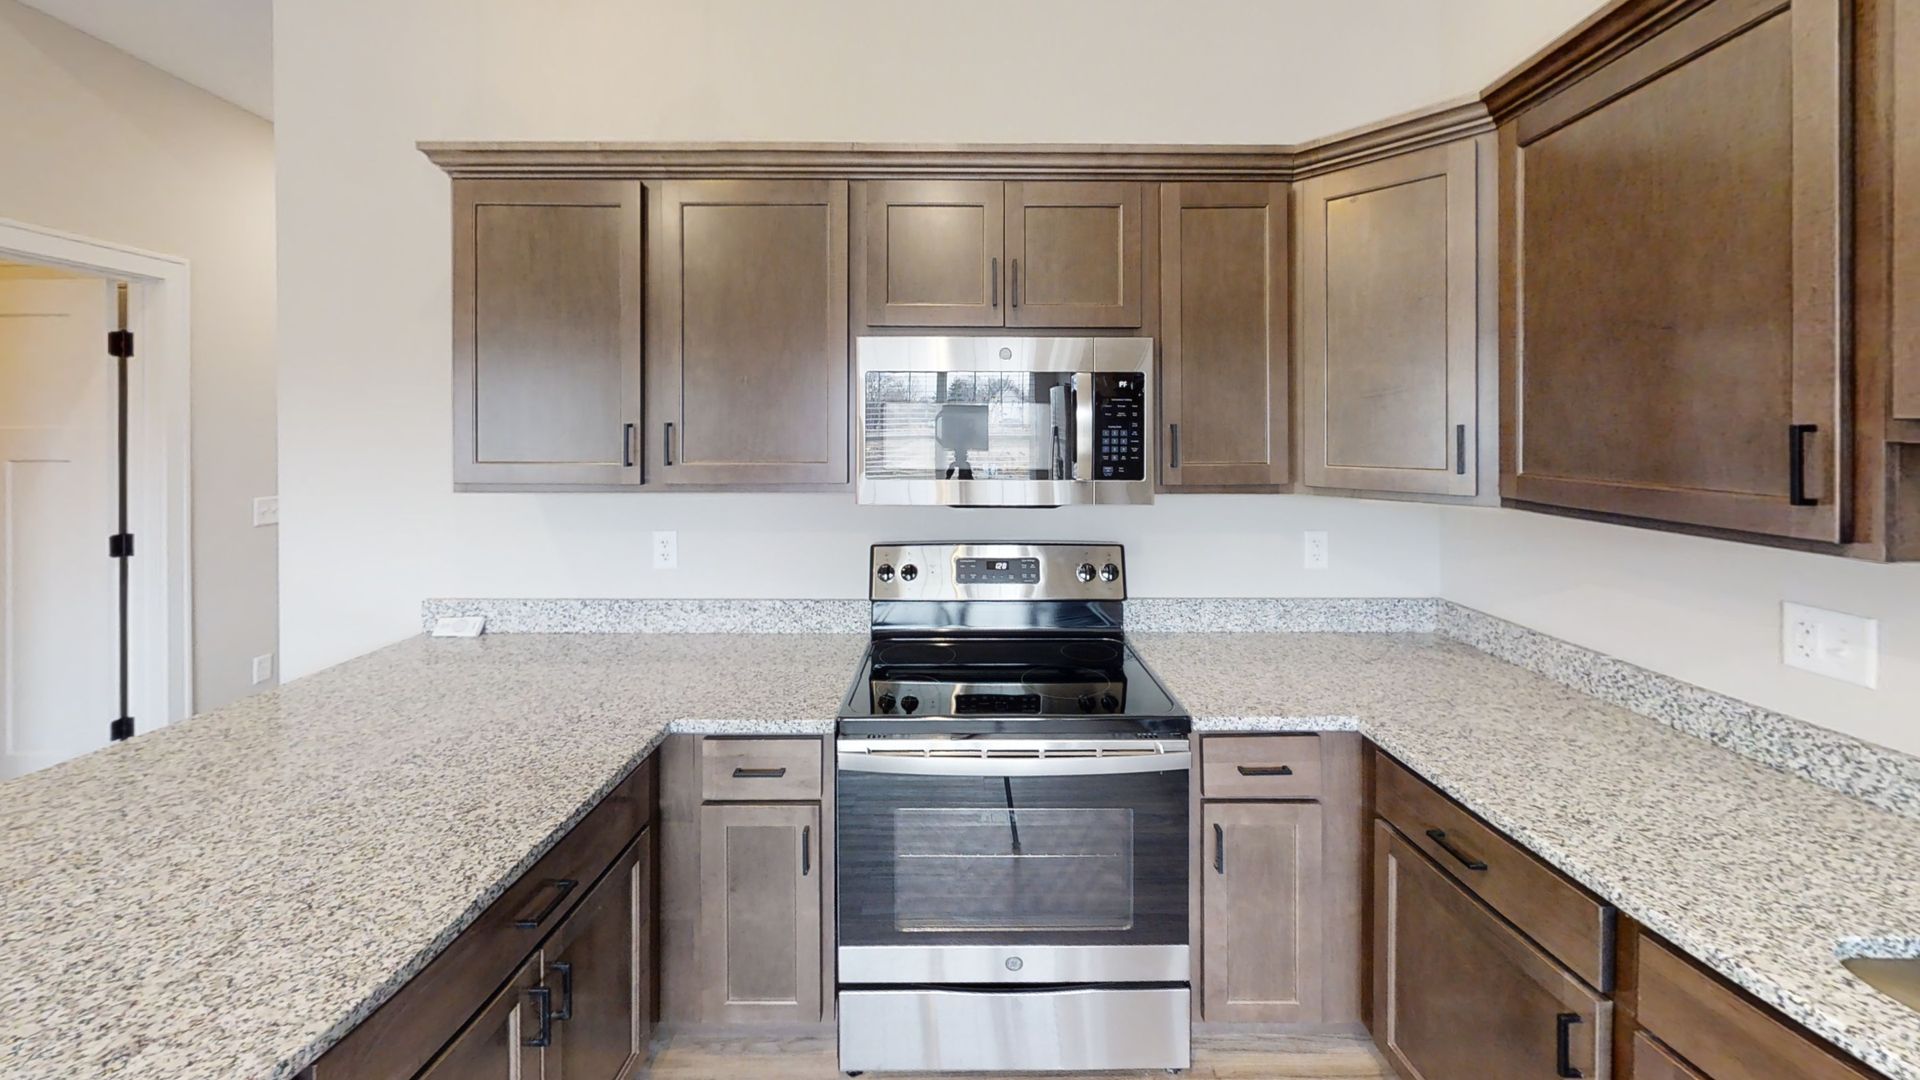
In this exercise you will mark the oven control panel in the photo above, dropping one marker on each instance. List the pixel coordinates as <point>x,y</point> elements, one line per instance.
<point>1119,425</point>
<point>997,571</point>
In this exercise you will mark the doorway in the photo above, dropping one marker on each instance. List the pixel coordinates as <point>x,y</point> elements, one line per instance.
<point>94,597</point>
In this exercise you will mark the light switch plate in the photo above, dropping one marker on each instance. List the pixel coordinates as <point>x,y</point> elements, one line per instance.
<point>266,510</point>
<point>459,626</point>
<point>1831,643</point>
<point>1314,553</point>
<point>666,550</point>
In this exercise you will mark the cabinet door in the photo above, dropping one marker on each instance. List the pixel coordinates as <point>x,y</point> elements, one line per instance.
<point>1262,924</point>
<point>597,969</point>
<point>934,252</point>
<point>1389,324</point>
<point>760,912</point>
<point>546,331</point>
<point>1651,1061</point>
<point>493,1045</point>
<point>1459,995</point>
<point>1674,231</point>
<point>1223,317</point>
<point>1906,211</point>
<point>1073,254</point>
<point>749,369</point>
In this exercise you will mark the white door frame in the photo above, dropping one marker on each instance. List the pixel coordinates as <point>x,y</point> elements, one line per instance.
<point>159,445</point>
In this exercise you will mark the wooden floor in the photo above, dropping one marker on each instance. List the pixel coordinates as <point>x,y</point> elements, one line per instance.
<point>1215,1057</point>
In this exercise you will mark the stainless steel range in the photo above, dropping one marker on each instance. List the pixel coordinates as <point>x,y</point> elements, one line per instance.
<point>1011,809</point>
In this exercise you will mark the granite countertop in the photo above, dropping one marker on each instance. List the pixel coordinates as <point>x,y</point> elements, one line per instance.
<point>228,896</point>
<point>1763,877</point>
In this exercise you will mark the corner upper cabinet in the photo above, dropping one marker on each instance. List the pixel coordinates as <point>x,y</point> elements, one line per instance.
<point>979,253</point>
<point>1674,235</point>
<point>1223,351</point>
<point>1391,258</point>
<point>546,332</point>
<point>748,374</point>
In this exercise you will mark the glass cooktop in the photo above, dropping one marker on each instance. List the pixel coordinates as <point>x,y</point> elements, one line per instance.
<point>1031,677</point>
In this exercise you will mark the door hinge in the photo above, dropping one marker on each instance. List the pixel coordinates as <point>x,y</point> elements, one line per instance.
<point>120,343</point>
<point>120,546</point>
<point>120,729</point>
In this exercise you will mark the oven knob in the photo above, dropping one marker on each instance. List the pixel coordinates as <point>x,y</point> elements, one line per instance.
<point>1086,703</point>
<point>909,572</point>
<point>885,573</point>
<point>1109,702</point>
<point>885,704</point>
<point>909,703</point>
<point>1109,572</point>
<point>1084,572</point>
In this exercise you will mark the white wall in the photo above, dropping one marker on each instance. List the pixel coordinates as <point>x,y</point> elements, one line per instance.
<point>96,143</point>
<point>369,525</point>
<point>1706,611</point>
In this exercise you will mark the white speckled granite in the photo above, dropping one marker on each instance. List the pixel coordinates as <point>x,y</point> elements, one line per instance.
<point>228,896</point>
<point>1765,878</point>
<point>1300,614</point>
<point>657,616</point>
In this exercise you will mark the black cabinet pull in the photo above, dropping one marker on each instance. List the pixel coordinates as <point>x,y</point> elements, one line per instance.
<point>994,270</point>
<point>1013,283</point>
<point>1266,770</point>
<point>543,1001</point>
<point>1797,435</point>
<point>1219,850</point>
<point>626,446</point>
<point>1460,449</point>
<point>1173,446</point>
<point>565,1011</point>
<point>1439,836</point>
<point>666,444</point>
<point>561,887</point>
<point>806,850</point>
<point>759,774</point>
<point>1563,1046</point>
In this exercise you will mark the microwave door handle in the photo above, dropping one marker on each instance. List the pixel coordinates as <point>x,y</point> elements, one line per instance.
<point>1083,425</point>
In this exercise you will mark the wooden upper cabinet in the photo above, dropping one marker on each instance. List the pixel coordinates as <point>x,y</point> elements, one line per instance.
<point>1389,323</point>
<point>1459,995</point>
<point>1223,353</point>
<point>1906,211</point>
<point>1073,254</point>
<point>546,332</point>
<point>934,252</point>
<point>748,377</point>
<point>1672,231</point>
<point>1262,925</point>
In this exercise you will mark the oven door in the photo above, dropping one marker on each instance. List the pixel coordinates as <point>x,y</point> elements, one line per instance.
<point>1012,861</point>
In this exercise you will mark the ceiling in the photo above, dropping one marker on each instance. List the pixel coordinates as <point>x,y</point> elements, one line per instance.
<point>224,47</point>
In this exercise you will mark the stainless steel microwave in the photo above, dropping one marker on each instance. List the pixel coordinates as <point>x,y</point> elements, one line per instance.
<point>1005,421</point>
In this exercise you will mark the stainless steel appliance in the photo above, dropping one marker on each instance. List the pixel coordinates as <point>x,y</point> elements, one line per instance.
<point>1011,794</point>
<point>1005,421</point>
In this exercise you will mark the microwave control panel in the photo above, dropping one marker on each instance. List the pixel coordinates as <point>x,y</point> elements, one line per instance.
<point>1119,425</point>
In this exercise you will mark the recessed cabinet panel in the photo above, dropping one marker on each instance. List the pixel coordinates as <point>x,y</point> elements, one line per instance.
<point>1676,230</point>
<point>1263,927</point>
<point>1223,312</point>
<point>1073,254</point>
<point>1389,326</point>
<point>760,912</point>
<point>547,331</point>
<point>597,970</point>
<point>749,371</point>
<point>1906,211</point>
<point>493,1046</point>
<point>934,253</point>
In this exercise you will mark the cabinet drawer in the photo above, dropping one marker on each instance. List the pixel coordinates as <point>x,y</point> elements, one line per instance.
<point>1572,924</point>
<point>1651,1061</point>
<point>1719,1030</point>
<point>1260,767</point>
<point>402,1034</point>
<point>759,770</point>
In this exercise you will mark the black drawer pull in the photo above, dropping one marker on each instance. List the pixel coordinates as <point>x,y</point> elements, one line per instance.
<point>1439,836</point>
<point>1563,1046</point>
<point>1173,446</point>
<point>994,269</point>
<point>806,850</point>
<point>626,446</point>
<point>1797,464</point>
<point>1219,850</point>
<point>759,774</point>
<point>561,887</point>
<point>1460,449</point>
<point>543,1001</point>
<point>565,1011</point>
<point>666,444</point>
<point>1266,770</point>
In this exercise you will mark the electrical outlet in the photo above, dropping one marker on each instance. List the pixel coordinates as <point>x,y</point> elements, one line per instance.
<point>666,550</point>
<point>262,668</point>
<point>1314,557</point>
<point>1831,643</point>
<point>266,510</point>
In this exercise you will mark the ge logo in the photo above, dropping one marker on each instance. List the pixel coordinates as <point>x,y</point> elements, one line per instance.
<point>1014,963</point>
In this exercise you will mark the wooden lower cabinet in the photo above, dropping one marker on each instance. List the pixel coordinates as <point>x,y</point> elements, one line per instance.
<point>760,912</point>
<point>494,1045</point>
<point>598,969</point>
<point>1651,1061</point>
<point>1262,912</point>
<point>1460,995</point>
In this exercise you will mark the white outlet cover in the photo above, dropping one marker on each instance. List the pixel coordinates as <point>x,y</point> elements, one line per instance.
<point>262,668</point>
<point>1831,643</point>
<point>666,550</point>
<point>266,510</point>
<point>1313,555</point>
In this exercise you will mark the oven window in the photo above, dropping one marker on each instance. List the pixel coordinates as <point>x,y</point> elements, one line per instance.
<point>980,871</point>
<point>968,425</point>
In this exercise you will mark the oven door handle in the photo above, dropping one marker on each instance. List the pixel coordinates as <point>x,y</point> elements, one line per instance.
<point>918,765</point>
